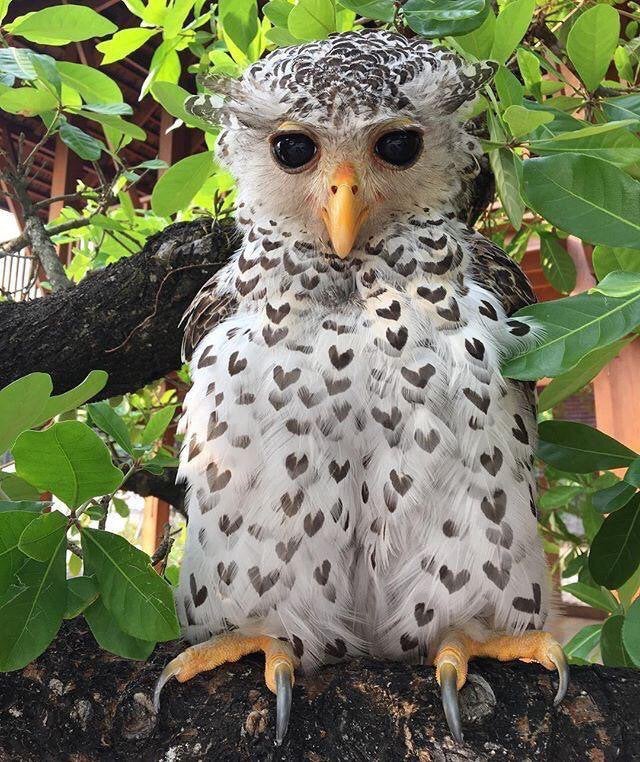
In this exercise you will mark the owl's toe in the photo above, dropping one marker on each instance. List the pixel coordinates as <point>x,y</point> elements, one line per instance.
<point>457,648</point>
<point>279,668</point>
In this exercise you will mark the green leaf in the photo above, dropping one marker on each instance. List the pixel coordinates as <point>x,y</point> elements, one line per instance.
<point>613,498</point>
<point>42,536</point>
<point>18,489</point>
<point>505,169</point>
<point>479,42</point>
<point>179,184</point>
<point>157,425</point>
<point>592,41</point>
<point>32,506</point>
<point>633,473</point>
<point>176,17</point>
<point>138,599</point>
<point>625,107</point>
<point>121,507</point>
<point>31,612</point>
<point>631,632</point>
<point>610,142</point>
<point>280,37</point>
<point>628,592</point>
<point>587,197</point>
<point>69,460</point>
<point>612,648</point>
<point>440,18</point>
<point>107,420</point>
<point>27,101</point>
<point>598,597</point>
<point>61,24</point>
<point>510,91</point>
<point>113,109</point>
<point>312,19</point>
<point>380,10</point>
<point>81,592</point>
<point>618,284</point>
<point>277,11</point>
<point>557,265</point>
<point>21,404</point>
<point>23,63</point>
<point>511,25</point>
<point>12,524</point>
<point>605,259</point>
<point>111,637</point>
<point>123,43</point>
<point>560,495</point>
<point>580,449</point>
<point>590,365</point>
<point>115,123</point>
<point>153,164</point>
<point>583,642</point>
<point>615,551</point>
<point>529,66</point>
<point>79,142</point>
<point>240,21</point>
<point>172,98</point>
<point>94,86</point>
<point>571,327</point>
<point>61,403</point>
<point>522,120</point>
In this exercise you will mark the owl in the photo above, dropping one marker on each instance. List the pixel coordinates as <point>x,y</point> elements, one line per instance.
<point>360,474</point>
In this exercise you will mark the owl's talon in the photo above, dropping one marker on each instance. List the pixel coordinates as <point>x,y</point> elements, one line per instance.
<point>167,673</point>
<point>557,656</point>
<point>449,693</point>
<point>284,684</point>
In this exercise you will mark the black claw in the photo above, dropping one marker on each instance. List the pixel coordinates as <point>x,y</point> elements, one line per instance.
<point>167,673</point>
<point>449,694</point>
<point>284,683</point>
<point>556,654</point>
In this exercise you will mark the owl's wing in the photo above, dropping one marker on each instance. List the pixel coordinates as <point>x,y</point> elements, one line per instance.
<point>498,273</point>
<point>495,271</point>
<point>209,308</point>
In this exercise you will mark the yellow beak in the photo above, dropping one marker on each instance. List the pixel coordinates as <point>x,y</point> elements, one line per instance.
<point>345,211</point>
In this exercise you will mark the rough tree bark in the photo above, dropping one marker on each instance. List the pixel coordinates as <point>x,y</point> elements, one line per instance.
<point>77,703</point>
<point>123,319</point>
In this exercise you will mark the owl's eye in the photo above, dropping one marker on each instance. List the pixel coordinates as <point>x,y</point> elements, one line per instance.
<point>399,147</point>
<point>293,150</point>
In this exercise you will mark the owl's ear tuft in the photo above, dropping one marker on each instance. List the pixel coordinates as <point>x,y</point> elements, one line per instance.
<point>470,77</point>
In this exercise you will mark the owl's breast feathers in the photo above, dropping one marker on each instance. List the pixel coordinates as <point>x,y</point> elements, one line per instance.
<point>490,267</point>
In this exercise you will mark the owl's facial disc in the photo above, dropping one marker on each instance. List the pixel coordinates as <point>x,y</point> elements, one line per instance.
<point>345,210</point>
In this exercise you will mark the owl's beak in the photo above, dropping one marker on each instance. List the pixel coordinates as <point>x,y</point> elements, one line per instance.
<point>345,211</point>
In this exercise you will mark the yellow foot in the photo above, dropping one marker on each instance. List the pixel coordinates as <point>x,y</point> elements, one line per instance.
<point>278,668</point>
<point>457,649</point>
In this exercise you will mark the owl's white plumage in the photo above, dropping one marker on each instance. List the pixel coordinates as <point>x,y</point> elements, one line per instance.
<point>360,474</point>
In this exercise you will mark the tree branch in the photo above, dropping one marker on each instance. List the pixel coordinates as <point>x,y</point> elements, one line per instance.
<point>162,485</point>
<point>76,701</point>
<point>123,319</point>
<point>35,233</point>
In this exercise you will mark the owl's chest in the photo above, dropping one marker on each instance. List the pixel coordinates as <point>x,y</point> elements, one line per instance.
<point>335,370</point>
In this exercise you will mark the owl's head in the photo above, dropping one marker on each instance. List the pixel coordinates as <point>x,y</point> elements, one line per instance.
<point>344,134</point>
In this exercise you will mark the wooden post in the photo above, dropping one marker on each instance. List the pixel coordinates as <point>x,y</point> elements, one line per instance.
<point>155,516</point>
<point>67,169</point>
